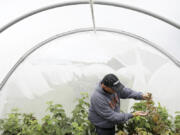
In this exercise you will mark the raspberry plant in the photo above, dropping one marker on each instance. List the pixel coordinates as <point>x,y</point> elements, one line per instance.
<point>157,122</point>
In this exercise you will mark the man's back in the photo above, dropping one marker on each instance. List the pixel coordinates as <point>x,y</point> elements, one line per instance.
<point>104,111</point>
<point>99,98</point>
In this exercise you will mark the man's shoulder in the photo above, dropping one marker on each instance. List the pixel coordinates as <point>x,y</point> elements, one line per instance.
<point>98,96</point>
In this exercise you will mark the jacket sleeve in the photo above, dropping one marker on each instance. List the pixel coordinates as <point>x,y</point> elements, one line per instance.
<point>104,110</point>
<point>129,93</point>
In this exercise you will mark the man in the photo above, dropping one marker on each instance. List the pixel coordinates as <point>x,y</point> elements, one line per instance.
<point>104,111</point>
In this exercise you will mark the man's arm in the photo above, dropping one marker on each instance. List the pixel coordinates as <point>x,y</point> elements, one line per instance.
<point>129,93</point>
<point>104,110</point>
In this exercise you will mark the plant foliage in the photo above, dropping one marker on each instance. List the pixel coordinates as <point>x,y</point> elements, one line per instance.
<point>56,122</point>
<point>157,122</point>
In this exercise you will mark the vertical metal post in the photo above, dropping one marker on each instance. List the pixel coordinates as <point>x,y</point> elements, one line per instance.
<point>92,13</point>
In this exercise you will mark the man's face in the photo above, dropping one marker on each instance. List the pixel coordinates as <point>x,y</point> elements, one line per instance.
<point>109,90</point>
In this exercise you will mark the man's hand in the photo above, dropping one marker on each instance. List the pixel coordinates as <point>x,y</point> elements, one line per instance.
<point>139,113</point>
<point>147,96</point>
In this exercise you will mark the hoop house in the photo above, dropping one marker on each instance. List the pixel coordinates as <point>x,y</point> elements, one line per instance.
<point>50,51</point>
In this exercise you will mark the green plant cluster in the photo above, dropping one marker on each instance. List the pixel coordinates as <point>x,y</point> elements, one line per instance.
<point>177,123</point>
<point>157,122</point>
<point>56,122</point>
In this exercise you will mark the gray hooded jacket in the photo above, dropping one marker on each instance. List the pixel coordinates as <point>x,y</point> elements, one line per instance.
<point>104,108</point>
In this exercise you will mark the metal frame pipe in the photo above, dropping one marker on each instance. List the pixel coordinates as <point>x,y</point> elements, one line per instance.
<point>45,42</point>
<point>87,2</point>
<point>11,23</point>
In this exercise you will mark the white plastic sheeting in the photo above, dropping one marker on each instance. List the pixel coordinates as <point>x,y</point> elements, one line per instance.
<point>65,67</point>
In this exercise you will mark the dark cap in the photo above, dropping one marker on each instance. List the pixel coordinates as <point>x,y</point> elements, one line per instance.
<point>111,81</point>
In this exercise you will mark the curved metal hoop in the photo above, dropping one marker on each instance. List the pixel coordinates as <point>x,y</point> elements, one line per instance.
<point>36,47</point>
<point>86,2</point>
